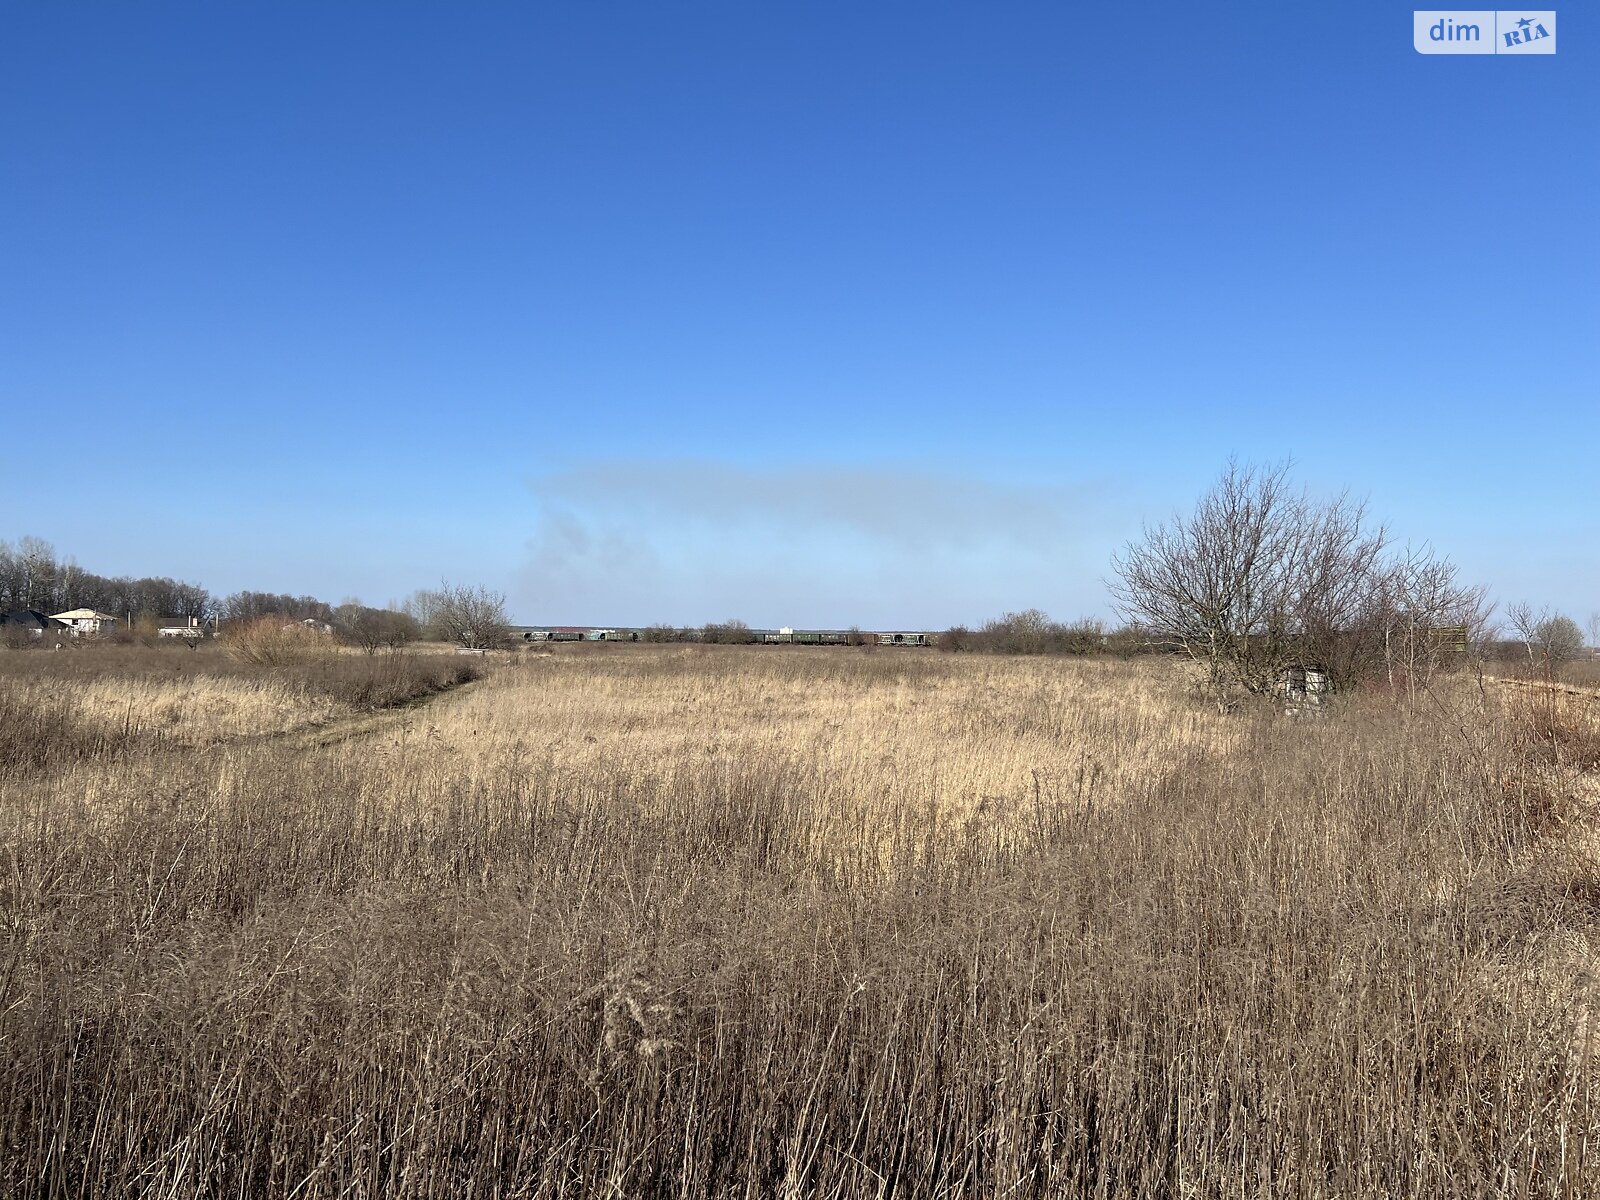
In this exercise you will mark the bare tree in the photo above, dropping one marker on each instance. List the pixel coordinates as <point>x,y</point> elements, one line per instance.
<point>1258,577</point>
<point>1427,617</point>
<point>1559,639</point>
<point>732,632</point>
<point>1032,631</point>
<point>1594,630</point>
<point>1026,632</point>
<point>424,605</point>
<point>35,574</point>
<point>374,629</point>
<point>1523,621</point>
<point>472,617</point>
<point>1548,638</point>
<point>248,606</point>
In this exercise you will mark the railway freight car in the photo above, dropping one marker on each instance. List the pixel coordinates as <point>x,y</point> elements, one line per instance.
<point>806,637</point>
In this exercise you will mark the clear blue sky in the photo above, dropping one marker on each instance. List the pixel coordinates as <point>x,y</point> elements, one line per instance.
<point>820,313</point>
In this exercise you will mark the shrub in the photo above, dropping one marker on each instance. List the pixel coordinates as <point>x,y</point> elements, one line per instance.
<point>1033,632</point>
<point>18,637</point>
<point>1127,640</point>
<point>271,641</point>
<point>373,629</point>
<point>1086,636</point>
<point>732,632</point>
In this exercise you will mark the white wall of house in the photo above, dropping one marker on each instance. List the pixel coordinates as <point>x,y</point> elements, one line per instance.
<point>94,623</point>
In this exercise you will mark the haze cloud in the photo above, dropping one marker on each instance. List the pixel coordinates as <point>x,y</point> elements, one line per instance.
<point>685,541</point>
<point>902,505</point>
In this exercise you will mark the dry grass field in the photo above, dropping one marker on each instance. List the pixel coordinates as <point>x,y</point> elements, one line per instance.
<point>704,921</point>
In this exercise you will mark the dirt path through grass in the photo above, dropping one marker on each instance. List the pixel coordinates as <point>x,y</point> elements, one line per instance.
<point>314,735</point>
<point>1539,685</point>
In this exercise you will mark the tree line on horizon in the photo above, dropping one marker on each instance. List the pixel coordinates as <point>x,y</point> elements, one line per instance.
<point>1263,579</point>
<point>34,576</point>
<point>1259,577</point>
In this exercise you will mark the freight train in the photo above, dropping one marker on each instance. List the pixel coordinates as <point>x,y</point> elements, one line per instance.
<point>763,637</point>
<point>573,633</point>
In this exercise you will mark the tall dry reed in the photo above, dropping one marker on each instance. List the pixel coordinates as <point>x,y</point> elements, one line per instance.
<point>716,922</point>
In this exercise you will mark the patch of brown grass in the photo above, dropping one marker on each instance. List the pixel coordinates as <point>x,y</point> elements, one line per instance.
<point>106,700</point>
<point>716,922</point>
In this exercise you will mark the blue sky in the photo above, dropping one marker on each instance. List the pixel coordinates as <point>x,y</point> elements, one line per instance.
<point>812,314</point>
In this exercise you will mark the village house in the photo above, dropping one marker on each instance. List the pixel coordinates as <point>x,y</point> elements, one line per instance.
<point>87,621</point>
<point>33,621</point>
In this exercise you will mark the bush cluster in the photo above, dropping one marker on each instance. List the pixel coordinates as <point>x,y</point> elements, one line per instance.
<point>1034,632</point>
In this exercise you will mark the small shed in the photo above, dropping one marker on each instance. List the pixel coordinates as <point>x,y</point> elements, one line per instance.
<point>1305,687</point>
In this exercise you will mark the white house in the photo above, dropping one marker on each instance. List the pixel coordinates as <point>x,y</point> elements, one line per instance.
<point>87,620</point>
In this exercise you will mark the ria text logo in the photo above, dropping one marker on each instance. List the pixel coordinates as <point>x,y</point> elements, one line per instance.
<point>1484,31</point>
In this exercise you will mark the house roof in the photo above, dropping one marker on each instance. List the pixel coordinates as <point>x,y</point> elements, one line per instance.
<point>31,618</point>
<point>84,614</point>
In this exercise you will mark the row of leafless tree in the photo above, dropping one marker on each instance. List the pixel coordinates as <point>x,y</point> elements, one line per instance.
<point>1260,577</point>
<point>471,617</point>
<point>1033,631</point>
<point>33,575</point>
<point>251,606</point>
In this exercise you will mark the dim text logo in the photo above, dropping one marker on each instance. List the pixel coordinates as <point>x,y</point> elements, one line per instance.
<point>1484,31</point>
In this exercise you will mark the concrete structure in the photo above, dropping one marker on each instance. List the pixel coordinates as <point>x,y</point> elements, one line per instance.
<point>1305,689</point>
